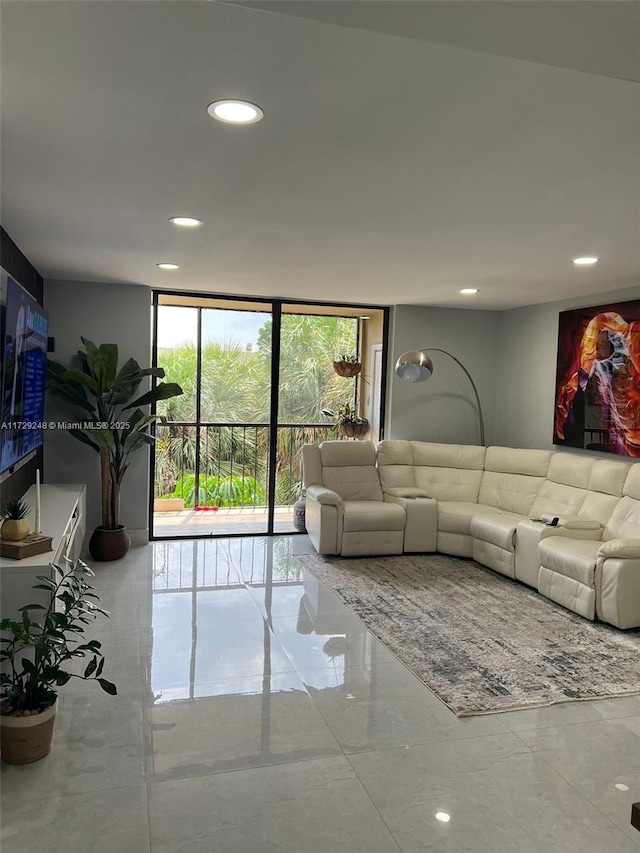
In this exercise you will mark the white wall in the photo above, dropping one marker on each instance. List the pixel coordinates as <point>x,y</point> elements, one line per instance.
<point>527,369</point>
<point>443,408</point>
<point>113,313</point>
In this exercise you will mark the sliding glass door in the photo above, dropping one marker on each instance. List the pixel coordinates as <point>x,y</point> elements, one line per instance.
<point>258,382</point>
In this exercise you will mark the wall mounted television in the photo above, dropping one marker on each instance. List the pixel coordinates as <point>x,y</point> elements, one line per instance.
<point>24,326</point>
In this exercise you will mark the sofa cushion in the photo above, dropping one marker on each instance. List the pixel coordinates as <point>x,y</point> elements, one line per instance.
<point>456,516</point>
<point>509,492</point>
<point>496,528</point>
<point>557,499</point>
<point>569,469</point>
<point>395,463</point>
<point>512,460</point>
<point>572,558</point>
<point>609,477</point>
<point>437,455</point>
<point>625,520</point>
<point>368,515</point>
<point>352,453</point>
<point>449,484</point>
<point>631,486</point>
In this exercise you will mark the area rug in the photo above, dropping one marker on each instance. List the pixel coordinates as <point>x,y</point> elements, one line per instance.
<point>482,642</point>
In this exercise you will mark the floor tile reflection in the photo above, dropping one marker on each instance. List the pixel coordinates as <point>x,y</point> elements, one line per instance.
<point>255,712</point>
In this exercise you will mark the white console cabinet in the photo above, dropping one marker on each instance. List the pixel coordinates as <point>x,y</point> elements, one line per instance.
<point>62,513</point>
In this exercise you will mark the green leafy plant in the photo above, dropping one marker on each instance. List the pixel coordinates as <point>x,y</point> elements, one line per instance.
<point>349,358</point>
<point>36,649</point>
<point>218,491</point>
<point>15,509</point>
<point>345,414</point>
<point>114,424</point>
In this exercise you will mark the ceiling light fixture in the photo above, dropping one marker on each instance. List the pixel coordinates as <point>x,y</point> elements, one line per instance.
<point>443,816</point>
<point>585,262</point>
<point>166,266</point>
<point>235,112</point>
<point>469,290</point>
<point>185,221</point>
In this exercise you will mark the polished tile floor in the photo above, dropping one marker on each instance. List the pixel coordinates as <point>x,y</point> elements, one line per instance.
<point>256,715</point>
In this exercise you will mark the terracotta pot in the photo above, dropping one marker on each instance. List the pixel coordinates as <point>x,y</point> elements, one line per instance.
<point>14,529</point>
<point>109,543</point>
<point>27,739</point>
<point>351,430</point>
<point>348,369</point>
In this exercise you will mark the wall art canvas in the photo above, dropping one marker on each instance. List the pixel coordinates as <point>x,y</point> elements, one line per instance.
<point>597,403</point>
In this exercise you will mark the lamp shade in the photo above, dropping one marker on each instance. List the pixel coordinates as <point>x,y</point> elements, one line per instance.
<point>414,366</point>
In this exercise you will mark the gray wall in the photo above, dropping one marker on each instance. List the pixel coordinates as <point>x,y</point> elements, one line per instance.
<point>113,313</point>
<point>527,369</point>
<point>444,408</point>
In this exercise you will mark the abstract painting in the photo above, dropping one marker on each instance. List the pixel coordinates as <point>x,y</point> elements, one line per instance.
<point>597,403</point>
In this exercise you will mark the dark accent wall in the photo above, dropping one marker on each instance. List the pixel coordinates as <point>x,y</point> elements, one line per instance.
<point>18,267</point>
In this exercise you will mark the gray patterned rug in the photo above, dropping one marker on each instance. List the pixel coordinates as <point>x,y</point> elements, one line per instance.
<point>482,642</point>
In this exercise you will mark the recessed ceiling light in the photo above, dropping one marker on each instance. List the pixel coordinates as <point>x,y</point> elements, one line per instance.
<point>443,816</point>
<point>165,266</point>
<point>235,112</point>
<point>468,290</point>
<point>585,262</point>
<point>185,221</point>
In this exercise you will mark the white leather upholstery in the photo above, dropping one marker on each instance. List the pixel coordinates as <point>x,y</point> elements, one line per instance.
<point>345,510</point>
<point>472,502</point>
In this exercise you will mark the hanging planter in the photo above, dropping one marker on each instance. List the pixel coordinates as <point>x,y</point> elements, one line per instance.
<point>347,366</point>
<point>353,430</point>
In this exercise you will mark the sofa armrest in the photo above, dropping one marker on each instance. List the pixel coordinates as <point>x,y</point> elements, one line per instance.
<point>628,549</point>
<point>323,495</point>
<point>406,492</point>
<point>572,522</point>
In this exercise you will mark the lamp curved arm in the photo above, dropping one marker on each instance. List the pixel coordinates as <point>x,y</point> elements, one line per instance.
<point>470,378</point>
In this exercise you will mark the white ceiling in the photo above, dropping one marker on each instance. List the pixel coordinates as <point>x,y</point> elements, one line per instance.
<point>407,149</point>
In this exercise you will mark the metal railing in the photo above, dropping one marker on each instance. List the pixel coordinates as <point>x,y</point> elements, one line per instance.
<point>227,464</point>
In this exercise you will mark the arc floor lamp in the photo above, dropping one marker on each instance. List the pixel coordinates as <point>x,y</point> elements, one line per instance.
<point>415,366</point>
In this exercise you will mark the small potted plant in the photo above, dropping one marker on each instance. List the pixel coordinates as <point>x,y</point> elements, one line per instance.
<point>34,655</point>
<point>349,424</point>
<point>347,366</point>
<point>15,525</point>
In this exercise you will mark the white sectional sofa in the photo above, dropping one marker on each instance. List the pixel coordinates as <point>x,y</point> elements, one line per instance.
<point>566,524</point>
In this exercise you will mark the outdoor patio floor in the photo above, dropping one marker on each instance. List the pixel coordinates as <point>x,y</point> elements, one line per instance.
<point>226,521</point>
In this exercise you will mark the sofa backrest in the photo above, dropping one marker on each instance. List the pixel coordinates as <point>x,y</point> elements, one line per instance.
<point>447,472</point>
<point>349,468</point>
<point>512,478</point>
<point>605,489</point>
<point>565,488</point>
<point>625,519</point>
<point>395,463</point>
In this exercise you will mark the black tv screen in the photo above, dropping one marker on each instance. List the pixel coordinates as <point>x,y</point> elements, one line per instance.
<point>24,357</point>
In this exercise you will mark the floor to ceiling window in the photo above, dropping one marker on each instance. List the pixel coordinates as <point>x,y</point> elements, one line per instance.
<point>258,383</point>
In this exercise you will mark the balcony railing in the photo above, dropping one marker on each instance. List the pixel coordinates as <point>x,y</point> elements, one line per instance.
<point>227,465</point>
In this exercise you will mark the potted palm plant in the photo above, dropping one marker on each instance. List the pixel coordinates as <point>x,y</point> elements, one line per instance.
<point>113,424</point>
<point>34,654</point>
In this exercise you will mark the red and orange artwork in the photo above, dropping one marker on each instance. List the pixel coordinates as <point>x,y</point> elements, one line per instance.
<point>597,404</point>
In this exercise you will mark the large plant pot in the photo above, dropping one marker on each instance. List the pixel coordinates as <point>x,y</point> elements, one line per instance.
<point>299,515</point>
<point>27,739</point>
<point>108,543</point>
<point>14,529</point>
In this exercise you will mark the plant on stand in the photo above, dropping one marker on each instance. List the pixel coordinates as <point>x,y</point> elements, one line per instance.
<point>349,424</point>
<point>34,655</point>
<point>115,427</point>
